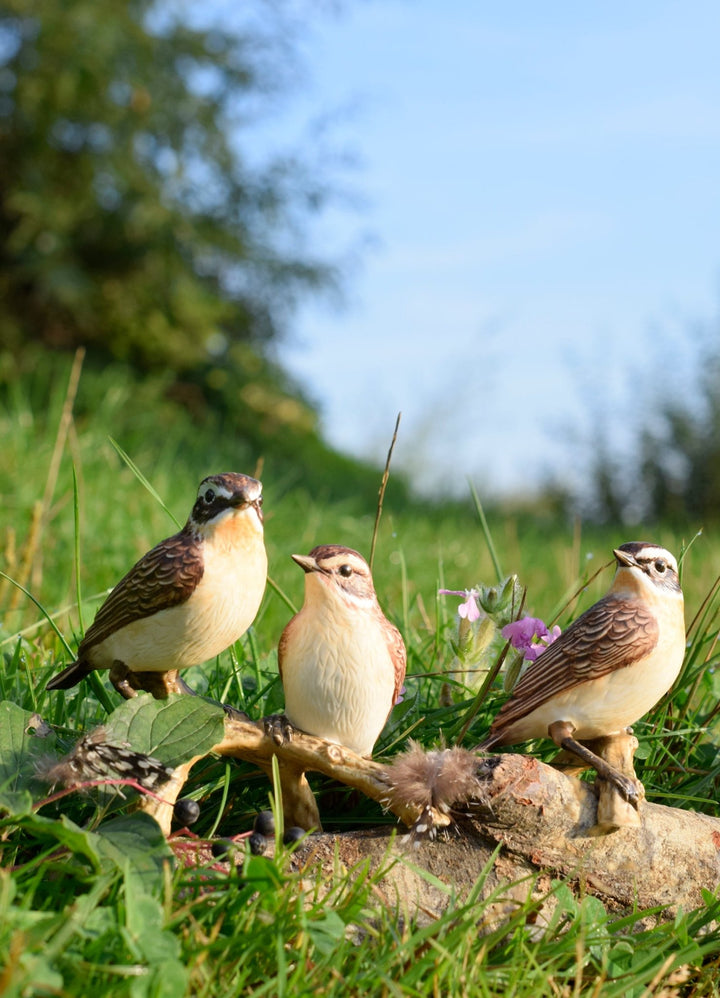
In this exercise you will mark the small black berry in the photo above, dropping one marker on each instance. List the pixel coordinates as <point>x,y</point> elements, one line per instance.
<point>257,843</point>
<point>221,848</point>
<point>186,811</point>
<point>264,823</point>
<point>293,834</point>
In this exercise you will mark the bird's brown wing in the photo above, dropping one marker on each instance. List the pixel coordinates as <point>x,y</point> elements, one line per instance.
<point>611,635</point>
<point>283,643</point>
<point>398,653</point>
<point>164,577</point>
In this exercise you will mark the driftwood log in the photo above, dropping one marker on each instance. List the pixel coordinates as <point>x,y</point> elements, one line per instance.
<point>536,821</point>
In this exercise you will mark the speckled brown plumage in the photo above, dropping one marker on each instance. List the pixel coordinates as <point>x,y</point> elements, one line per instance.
<point>165,576</point>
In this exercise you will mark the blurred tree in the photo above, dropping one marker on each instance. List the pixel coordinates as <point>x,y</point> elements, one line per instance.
<point>130,220</point>
<point>680,453</point>
<point>136,221</point>
<point>671,472</point>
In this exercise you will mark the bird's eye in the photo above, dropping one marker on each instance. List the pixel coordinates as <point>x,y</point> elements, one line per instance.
<point>346,571</point>
<point>660,566</point>
<point>209,496</point>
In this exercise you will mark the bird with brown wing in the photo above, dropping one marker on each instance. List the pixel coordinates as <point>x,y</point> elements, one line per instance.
<point>608,669</point>
<point>186,600</point>
<point>342,663</point>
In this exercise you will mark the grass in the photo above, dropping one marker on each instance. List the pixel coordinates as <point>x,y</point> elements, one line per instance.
<point>90,895</point>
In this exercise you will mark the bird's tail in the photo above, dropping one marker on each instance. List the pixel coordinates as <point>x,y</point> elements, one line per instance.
<point>69,677</point>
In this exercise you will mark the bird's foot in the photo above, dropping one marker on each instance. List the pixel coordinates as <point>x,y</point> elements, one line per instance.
<point>160,684</point>
<point>629,789</point>
<point>279,728</point>
<point>120,678</point>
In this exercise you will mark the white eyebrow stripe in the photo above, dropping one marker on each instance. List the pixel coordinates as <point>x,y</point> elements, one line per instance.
<point>219,490</point>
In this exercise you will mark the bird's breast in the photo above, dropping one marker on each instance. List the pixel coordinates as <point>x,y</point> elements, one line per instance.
<point>338,677</point>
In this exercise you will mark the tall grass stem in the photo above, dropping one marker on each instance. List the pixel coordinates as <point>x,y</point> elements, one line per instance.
<point>381,493</point>
<point>486,533</point>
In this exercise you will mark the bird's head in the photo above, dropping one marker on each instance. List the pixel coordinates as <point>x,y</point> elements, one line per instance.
<point>221,496</point>
<point>642,566</point>
<point>337,573</point>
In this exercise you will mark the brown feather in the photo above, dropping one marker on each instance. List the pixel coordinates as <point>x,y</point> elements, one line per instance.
<point>285,638</point>
<point>398,653</point>
<point>164,577</point>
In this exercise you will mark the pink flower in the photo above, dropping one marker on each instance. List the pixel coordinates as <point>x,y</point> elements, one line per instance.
<point>469,609</point>
<point>530,636</point>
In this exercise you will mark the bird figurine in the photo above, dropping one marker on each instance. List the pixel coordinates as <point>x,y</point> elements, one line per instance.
<point>186,600</point>
<point>342,663</point>
<point>610,667</point>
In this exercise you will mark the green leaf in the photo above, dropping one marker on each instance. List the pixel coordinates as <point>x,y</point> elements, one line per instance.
<point>172,730</point>
<point>20,747</point>
<point>17,804</point>
<point>166,979</point>
<point>63,832</point>
<point>136,844</point>
<point>133,844</point>
<point>262,874</point>
<point>144,925</point>
<point>327,932</point>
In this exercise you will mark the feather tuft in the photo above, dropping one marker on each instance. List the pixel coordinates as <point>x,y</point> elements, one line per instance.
<point>435,781</point>
<point>94,758</point>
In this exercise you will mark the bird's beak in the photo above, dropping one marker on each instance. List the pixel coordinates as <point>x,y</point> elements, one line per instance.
<point>250,496</point>
<point>624,559</point>
<point>305,562</point>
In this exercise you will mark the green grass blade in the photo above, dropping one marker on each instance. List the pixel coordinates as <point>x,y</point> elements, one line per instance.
<point>486,533</point>
<point>143,480</point>
<point>93,680</point>
<point>78,583</point>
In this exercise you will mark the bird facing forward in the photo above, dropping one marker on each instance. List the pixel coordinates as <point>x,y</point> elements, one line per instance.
<point>342,663</point>
<point>186,600</point>
<point>610,667</point>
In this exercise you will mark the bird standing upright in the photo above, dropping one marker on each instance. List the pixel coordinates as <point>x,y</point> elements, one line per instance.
<point>342,663</point>
<point>608,668</point>
<point>187,599</point>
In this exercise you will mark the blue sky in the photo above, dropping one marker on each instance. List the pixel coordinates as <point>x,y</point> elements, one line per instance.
<point>540,196</point>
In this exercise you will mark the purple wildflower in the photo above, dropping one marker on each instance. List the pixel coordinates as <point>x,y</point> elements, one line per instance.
<point>469,609</point>
<point>530,636</point>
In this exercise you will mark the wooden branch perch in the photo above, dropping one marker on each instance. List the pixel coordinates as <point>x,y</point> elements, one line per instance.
<point>544,821</point>
<point>247,740</point>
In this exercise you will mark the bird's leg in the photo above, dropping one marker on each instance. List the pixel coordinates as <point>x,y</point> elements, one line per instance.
<point>613,811</point>
<point>630,788</point>
<point>119,677</point>
<point>298,801</point>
